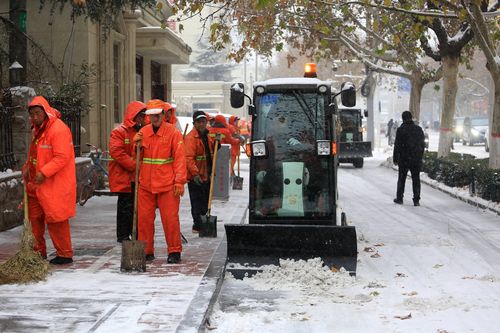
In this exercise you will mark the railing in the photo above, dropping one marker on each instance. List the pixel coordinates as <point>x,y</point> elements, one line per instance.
<point>7,158</point>
<point>71,114</point>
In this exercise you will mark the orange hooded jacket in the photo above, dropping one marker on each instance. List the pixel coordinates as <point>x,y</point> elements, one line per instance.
<point>220,127</point>
<point>51,152</point>
<point>121,145</point>
<point>163,160</point>
<point>196,160</point>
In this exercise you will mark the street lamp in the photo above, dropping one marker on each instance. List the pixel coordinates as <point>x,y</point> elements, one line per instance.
<point>15,73</point>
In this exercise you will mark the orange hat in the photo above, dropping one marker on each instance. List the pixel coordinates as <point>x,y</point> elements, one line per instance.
<point>156,106</point>
<point>220,119</point>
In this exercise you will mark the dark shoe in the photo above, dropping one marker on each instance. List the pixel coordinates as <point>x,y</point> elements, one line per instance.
<point>119,240</point>
<point>150,257</point>
<point>174,258</point>
<point>196,229</point>
<point>61,261</point>
<point>416,203</point>
<point>398,201</point>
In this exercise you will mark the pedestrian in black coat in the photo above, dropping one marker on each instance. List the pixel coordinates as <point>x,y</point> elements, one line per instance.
<point>408,151</point>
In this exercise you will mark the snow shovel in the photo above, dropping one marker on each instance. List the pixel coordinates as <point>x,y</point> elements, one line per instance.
<point>237,180</point>
<point>133,251</point>
<point>208,227</point>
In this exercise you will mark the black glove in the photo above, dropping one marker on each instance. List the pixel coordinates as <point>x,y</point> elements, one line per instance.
<point>197,180</point>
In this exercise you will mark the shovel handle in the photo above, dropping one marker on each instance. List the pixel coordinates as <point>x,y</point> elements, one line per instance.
<point>212,176</point>
<point>238,159</point>
<point>185,131</point>
<point>136,190</point>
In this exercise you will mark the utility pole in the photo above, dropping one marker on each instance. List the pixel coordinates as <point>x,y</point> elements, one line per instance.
<point>17,41</point>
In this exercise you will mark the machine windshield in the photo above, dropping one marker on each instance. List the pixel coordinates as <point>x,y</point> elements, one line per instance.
<point>292,180</point>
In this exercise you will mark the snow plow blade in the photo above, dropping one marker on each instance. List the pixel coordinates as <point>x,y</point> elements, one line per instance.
<point>250,246</point>
<point>355,149</point>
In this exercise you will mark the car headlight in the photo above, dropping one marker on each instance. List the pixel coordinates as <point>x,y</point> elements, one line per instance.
<point>474,132</point>
<point>259,148</point>
<point>323,147</point>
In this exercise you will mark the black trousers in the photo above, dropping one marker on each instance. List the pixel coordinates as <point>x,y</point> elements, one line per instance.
<point>124,216</point>
<point>198,194</point>
<point>415,177</point>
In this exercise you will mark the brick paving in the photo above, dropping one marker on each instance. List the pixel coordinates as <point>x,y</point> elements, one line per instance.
<point>92,295</point>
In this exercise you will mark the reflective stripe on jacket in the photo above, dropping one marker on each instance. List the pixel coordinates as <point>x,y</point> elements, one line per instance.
<point>163,160</point>
<point>196,159</point>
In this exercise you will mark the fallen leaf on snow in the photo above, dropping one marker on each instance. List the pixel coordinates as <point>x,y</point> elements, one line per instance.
<point>408,316</point>
<point>369,249</point>
<point>334,269</point>
<point>438,265</point>
<point>375,255</point>
<point>374,293</point>
<point>379,244</point>
<point>441,331</point>
<point>400,275</point>
<point>412,293</point>
<point>468,277</point>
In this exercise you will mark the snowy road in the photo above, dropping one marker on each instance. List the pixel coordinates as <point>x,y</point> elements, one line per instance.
<point>433,268</point>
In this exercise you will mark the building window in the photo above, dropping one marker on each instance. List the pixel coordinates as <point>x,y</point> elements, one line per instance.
<point>157,88</point>
<point>116,83</point>
<point>139,78</point>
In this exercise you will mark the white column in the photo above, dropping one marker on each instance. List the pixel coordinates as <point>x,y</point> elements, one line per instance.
<point>130,19</point>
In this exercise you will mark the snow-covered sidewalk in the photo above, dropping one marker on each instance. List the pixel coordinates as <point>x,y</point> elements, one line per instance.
<point>92,295</point>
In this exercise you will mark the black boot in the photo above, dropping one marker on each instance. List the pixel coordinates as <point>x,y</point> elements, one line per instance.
<point>61,261</point>
<point>416,203</point>
<point>174,258</point>
<point>150,257</point>
<point>398,201</point>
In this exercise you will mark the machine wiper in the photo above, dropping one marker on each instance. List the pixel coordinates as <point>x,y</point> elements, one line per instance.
<point>306,109</point>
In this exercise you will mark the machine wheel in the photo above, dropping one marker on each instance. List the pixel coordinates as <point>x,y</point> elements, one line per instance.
<point>486,147</point>
<point>358,163</point>
<point>343,219</point>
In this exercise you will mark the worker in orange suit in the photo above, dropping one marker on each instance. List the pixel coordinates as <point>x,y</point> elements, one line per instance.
<point>220,126</point>
<point>50,178</point>
<point>199,167</point>
<point>122,167</point>
<point>235,133</point>
<point>161,180</point>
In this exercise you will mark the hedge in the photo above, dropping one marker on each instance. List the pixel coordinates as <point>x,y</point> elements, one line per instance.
<point>460,170</point>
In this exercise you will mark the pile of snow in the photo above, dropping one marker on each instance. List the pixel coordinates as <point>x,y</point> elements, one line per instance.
<point>311,277</point>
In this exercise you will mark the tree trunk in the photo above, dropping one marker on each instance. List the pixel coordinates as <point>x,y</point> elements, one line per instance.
<point>450,71</point>
<point>494,139</point>
<point>417,85</point>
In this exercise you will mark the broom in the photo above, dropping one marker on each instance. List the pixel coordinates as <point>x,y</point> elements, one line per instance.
<point>26,265</point>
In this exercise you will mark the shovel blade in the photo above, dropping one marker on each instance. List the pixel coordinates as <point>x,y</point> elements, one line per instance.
<point>133,256</point>
<point>208,226</point>
<point>237,183</point>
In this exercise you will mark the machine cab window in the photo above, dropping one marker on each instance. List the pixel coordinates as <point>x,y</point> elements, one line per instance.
<point>292,180</point>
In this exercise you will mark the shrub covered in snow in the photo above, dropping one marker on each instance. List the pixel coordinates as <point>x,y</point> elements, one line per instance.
<point>461,170</point>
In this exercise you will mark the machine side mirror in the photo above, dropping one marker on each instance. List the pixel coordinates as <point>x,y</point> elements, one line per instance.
<point>365,112</point>
<point>348,94</point>
<point>251,110</point>
<point>237,95</point>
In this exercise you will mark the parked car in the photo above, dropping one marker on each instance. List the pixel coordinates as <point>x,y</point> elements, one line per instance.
<point>458,127</point>
<point>474,130</point>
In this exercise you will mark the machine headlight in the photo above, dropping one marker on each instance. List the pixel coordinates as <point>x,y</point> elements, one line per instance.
<point>260,90</point>
<point>324,147</point>
<point>259,148</point>
<point>322,89</point>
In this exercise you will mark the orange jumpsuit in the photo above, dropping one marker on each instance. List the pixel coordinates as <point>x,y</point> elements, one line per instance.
<point>52,202</point>
<point>235,147</point>
<point>163,165</point>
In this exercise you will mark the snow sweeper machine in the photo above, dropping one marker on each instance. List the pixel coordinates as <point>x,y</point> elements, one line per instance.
<point>293,211</point>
